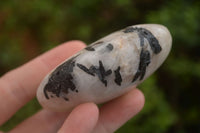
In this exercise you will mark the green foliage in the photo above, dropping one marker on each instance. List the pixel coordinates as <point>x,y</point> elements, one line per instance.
<point>8,59</point>
<point>29,28</point>
<point>182,18</point>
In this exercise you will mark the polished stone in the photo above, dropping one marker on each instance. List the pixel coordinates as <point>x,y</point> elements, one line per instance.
<point>107,68</point>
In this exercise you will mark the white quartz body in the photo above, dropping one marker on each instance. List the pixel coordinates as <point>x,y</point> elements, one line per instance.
<point>107,68</point>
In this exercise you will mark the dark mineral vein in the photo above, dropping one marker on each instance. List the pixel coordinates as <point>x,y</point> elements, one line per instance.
<point>61,80</point>
<point>145,58</point>
<point>109,47</point>
<point>102,73</point>
<point>144,62</point>
<point>85,69</point>
<point>99,42</point>
<point>144,33</point>
<point>118,78</point>
<point>98,70</point>
<point>89,48</point>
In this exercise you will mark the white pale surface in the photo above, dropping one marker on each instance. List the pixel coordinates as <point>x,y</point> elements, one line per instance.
<point>125,53</point>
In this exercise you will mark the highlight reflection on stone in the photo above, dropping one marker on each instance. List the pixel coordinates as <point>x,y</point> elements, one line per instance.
<point>107,68</point>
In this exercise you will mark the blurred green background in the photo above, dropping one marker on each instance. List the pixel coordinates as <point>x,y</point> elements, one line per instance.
<point>29,28</point>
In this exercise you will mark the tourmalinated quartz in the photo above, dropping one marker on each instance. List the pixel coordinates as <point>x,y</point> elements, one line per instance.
<point>107,68</point>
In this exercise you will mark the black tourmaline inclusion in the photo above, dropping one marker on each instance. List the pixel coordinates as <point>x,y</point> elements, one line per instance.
<point>145,60</point>
<point>145,34</point>
<point>145,57</point>
<point>98,70</point>
<point>61,80</point>
<point>118,78</point>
